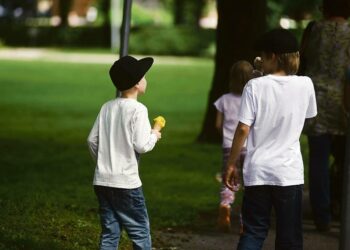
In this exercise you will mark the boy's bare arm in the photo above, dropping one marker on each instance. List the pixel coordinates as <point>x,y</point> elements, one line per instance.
<point>231,175</point>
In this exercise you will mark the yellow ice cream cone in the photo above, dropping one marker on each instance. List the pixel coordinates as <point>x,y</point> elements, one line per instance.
<point>159,122</point>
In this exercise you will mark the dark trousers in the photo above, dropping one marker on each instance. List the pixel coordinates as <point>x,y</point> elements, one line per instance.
<point>258,202</point>
<point>325,181</point>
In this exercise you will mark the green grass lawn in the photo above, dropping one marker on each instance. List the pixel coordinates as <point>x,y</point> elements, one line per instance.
<point>47,110</point>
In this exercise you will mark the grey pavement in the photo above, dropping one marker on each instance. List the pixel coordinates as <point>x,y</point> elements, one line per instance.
<point>211,239</point>
<point>61,56</point>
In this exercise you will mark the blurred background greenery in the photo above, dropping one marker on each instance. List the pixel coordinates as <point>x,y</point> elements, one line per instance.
<point>172,27</point>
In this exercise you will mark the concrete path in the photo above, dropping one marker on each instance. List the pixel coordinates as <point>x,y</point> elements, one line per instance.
<point>54,55</point>
<point>211,239</point>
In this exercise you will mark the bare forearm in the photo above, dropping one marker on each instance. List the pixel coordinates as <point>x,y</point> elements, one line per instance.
<point>240,137</point>
<point>231,174</point>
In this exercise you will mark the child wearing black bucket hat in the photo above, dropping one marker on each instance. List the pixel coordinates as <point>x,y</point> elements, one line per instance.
<point>121,132</point>
<point>271,117</point>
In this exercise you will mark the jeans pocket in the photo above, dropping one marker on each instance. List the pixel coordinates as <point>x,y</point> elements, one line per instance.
<point>137,199</point>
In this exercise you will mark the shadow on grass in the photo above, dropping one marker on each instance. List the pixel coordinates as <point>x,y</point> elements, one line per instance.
<point>47,200</point>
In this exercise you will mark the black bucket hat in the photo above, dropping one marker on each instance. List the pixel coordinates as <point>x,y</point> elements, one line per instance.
<point>278,41</point>
<point>126,72</point>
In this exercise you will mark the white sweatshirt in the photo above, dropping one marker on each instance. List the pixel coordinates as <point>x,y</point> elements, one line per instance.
<point>121,129</point>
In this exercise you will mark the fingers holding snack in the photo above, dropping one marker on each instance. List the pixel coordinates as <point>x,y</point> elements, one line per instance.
<point>157,133</point>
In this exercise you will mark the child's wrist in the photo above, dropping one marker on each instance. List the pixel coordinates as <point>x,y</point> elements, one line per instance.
<point>156,133</point>
<point>231,162</point>
<point>157,127</point>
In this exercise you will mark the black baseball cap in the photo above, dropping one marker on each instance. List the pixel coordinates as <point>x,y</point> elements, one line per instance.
<point>278,41</point>
<point>126,72</point>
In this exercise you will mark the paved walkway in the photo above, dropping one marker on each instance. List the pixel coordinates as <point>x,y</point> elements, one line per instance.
<point>212,240</point>
<point>171,239</point>
<point>52,55</point>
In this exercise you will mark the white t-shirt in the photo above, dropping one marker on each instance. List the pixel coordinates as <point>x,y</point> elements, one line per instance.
<point>275,108</point>
<point>121,128</point>
<point>228,104</point>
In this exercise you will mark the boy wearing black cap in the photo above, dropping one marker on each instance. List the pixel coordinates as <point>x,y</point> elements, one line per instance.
<point>121,132</point>
<point>272,114</point>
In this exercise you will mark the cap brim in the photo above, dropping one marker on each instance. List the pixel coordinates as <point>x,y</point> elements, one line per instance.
<point>145,64</point>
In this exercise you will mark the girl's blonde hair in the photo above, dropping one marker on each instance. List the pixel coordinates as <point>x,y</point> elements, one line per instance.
<point>241,72</point>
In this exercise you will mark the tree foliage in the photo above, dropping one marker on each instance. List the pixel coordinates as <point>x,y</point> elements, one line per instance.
<point>296,9</point>
<point>186,13</point>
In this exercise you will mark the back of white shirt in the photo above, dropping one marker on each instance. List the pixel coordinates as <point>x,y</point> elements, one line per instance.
<point>228,105</point>
<point>275,108</point>
<point>121,130</point>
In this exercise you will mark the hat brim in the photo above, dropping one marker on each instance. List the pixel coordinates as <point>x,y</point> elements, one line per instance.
<point>145,64</point>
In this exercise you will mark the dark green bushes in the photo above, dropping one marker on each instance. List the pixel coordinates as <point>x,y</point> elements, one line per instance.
<point>143,40</point>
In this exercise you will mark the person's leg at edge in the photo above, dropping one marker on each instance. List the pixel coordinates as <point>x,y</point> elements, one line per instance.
<point>338,151</point>
<point>287,202</point>
<point>111,228</point>
<point>133,213</point>
<point>319,187</point>
<point>256,211</point>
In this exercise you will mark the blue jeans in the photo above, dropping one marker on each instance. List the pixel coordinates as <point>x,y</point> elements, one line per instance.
<point>325,192</point>
<point>123,209</point>
<point>258,202</point>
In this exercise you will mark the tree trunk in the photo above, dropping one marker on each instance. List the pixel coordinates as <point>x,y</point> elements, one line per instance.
<point>64,9</point>
<point>240,23</point>
<point>198,9</point>
<point>105,9</point>
<point>179,12</point>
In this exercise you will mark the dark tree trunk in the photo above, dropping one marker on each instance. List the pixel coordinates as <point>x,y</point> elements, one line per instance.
<point>105,9</point>
<point>198,9</point>
<point>64,9</point>
<point>179,12</point>
<point>240,23</point>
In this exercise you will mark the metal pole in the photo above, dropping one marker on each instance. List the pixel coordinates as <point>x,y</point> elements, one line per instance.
<point>344,242</point>
<point>125,30</point>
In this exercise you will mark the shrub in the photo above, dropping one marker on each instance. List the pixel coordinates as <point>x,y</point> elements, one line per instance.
<point>171,41</point>
<point>153,40</point>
